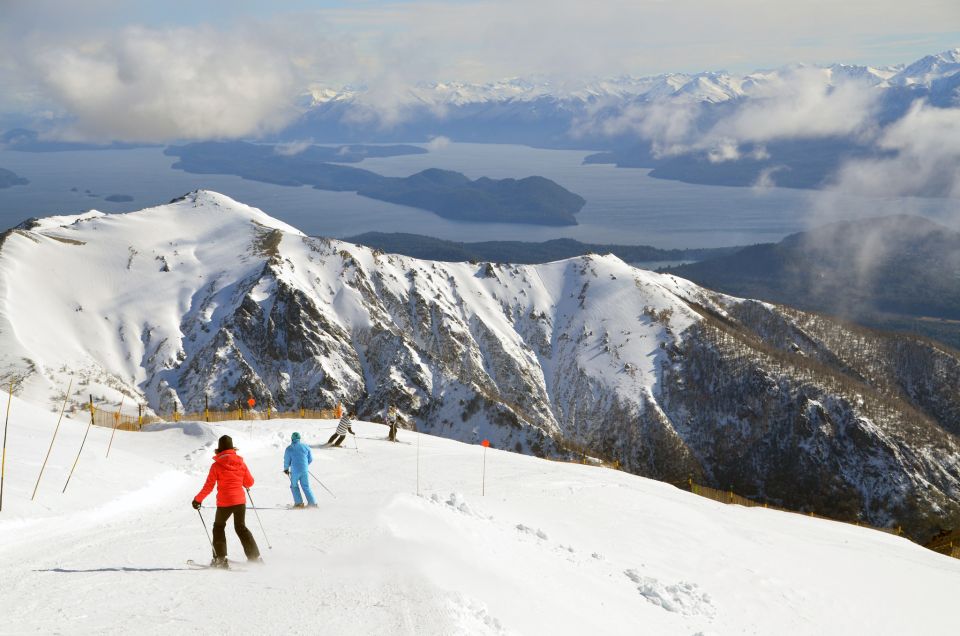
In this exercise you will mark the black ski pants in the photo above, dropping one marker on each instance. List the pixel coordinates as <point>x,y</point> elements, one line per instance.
<point>336,440</point>
<point>220,536</point>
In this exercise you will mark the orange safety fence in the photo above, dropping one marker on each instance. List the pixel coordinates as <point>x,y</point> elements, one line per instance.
<point>951,549</point>
<point>729,497</point>
<point>130,422</point>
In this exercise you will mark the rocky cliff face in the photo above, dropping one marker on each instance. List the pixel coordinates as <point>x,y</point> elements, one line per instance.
<point>208,299</point>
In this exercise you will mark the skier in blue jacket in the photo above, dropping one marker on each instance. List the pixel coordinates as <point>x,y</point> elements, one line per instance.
<point>296,458</point>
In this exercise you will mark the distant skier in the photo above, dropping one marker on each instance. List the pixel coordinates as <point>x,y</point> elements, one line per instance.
<point>343,427</point>
<point>231,476</point>
<point>296,459</point>
<point>391,420</point>
<point>338,410</point>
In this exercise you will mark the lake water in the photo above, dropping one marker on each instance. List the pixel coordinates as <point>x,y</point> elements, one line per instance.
<point>624,206</point>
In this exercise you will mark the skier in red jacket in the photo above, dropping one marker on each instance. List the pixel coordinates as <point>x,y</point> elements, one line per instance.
<point>231,475</point>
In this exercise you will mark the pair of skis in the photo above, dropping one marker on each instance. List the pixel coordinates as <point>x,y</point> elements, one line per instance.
<point>209,566</point>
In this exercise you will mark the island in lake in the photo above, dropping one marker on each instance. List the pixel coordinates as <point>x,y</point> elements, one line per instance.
<point>23,140</point>
<point>435,249</point>
<point>452,195</point>
<point>9,178</point>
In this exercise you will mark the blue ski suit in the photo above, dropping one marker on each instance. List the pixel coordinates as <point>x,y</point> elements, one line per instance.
<point>296,458</point>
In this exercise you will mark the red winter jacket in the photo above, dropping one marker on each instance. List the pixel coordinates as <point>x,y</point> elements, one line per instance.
<point>231,476</point>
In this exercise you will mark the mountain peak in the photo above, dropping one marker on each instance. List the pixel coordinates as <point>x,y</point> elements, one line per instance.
<point>211,201</point>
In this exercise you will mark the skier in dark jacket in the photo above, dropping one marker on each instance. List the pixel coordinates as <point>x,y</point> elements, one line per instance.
<point>392,420</point>
<point>343,427</point>
<point>296,460</point>
<point>231,476</point>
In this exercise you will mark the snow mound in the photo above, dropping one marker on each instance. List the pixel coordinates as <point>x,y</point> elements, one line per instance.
<point>682,598</point>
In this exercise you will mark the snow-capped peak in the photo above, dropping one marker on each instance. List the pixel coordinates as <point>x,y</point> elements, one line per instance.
<point>929,69</point>
<point>710,87</point>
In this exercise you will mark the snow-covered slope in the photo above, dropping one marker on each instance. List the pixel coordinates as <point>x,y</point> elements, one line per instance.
<point>551,548</point>
<point>206,298</point>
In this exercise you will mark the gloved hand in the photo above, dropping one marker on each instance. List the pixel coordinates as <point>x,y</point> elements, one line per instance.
<point>286,472</point>
<point>195,504</point>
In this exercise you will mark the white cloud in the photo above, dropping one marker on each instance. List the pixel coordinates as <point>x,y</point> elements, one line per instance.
<point>923,157</point>
<point>802,102</point>
<point>438,143</point>
<point>670,125</point>
<point>766,177</point>
<point>292,148</point>
<point>148,85</point>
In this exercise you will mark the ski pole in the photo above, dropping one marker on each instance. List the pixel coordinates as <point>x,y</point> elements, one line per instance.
<point>212,549</point>
<point>3,462</point>
<point>321,483</point>
<point>59,419</point>
<point>355,444</point>
<point>256,512</point>
<point>80,452</point>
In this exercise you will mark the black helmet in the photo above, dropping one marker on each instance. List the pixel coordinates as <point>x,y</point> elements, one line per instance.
<point>225,443</point>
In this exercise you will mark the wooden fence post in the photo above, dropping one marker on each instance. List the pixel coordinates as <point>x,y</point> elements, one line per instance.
<point>53,439</point>
<point>3,462</point>
<point>82,442</point>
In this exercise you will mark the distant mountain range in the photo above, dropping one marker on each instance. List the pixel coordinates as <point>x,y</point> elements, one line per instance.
<point>551,111</point>
<point>613,115</point>
<point>899,272</point>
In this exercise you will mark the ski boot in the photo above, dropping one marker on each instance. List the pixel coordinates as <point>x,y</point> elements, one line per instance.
<point>220,563</point>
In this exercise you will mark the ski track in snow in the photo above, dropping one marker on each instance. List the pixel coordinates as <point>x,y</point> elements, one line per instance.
<point>551,548</point>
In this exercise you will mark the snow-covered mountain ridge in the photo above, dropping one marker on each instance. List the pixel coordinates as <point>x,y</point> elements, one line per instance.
<point>206,297</point>
<point>707,86</point>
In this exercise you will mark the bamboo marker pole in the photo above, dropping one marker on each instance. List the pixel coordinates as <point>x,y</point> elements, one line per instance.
<point>3,462</point>
<point>59,419</point>
<point>116,422</point>
<point>82,442</point>
<point>483,479</point>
